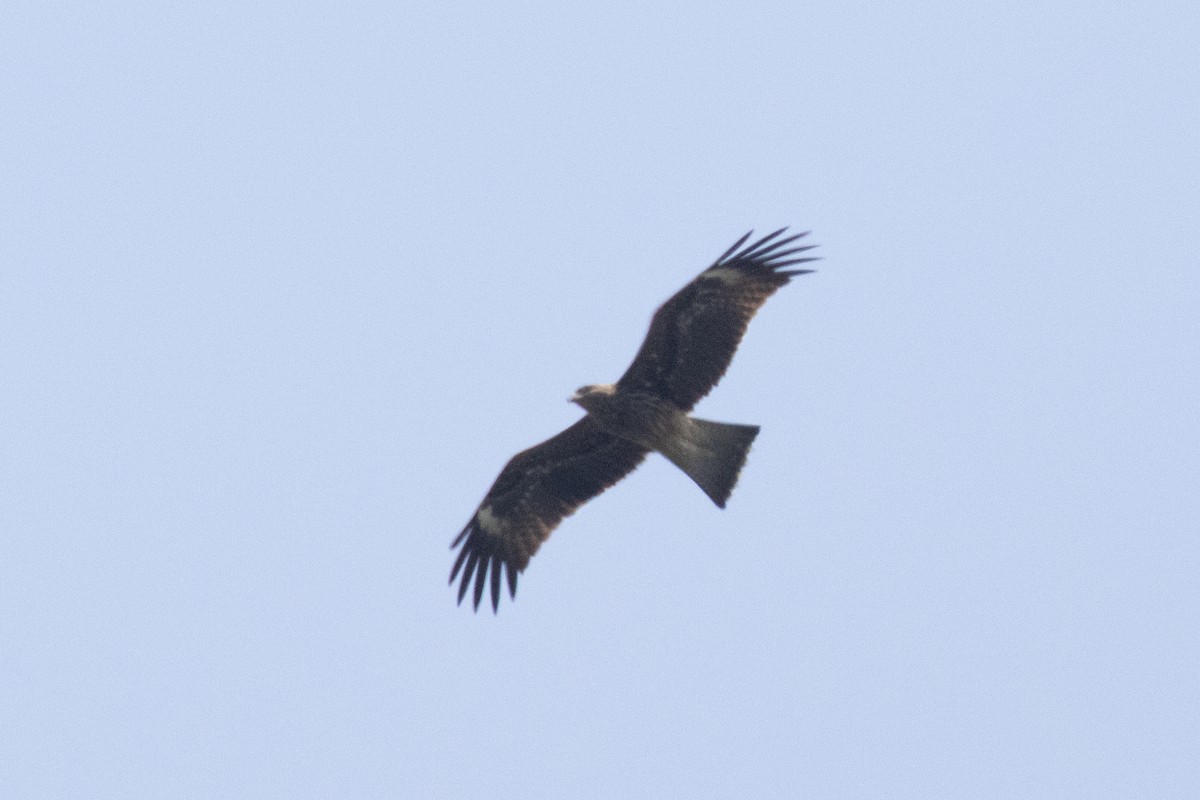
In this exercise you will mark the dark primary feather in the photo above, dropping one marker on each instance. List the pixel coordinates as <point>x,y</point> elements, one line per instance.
<point>694,335</point>
<point>534,492</point>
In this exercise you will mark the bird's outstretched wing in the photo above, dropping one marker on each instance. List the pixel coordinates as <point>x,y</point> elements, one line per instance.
<point>694,335</point>
<point>535,491</point>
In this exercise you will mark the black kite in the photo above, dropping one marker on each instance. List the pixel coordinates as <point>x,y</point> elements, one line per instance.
<point>691,342</point>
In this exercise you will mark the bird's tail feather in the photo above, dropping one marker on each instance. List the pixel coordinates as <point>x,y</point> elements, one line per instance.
<point>712,454</point>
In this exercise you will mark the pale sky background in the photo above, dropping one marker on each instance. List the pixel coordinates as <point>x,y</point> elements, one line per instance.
<point>283,286</point>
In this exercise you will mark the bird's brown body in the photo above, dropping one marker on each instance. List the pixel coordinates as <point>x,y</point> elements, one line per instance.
<point>639,417</point>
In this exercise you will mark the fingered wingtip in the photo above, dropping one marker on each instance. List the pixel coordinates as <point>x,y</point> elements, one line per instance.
<point>767,251</point>
<point>733,247</point>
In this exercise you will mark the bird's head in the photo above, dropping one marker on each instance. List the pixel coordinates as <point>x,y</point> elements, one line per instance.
<point>590,396</point>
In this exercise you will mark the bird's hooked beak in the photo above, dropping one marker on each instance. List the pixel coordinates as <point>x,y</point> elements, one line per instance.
<point>579,393</point>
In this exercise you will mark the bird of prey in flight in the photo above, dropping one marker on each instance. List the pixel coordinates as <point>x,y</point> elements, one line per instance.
<point>691,342</point>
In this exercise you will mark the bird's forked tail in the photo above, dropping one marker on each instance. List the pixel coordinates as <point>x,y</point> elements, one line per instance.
<point>712,454</point>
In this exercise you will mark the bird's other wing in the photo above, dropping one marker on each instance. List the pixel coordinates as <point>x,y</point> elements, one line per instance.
<point>694,335</point>
<point>534,492</point>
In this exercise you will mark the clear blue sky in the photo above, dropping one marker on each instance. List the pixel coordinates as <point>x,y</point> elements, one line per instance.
<point>283,286</point>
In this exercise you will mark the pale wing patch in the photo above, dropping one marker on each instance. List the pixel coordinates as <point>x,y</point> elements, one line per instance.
<point>723,274</point>
<point>488,521</point>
